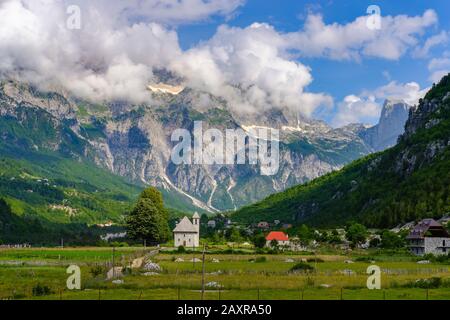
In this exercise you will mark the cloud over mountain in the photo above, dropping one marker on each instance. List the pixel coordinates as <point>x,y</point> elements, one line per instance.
<point>366,107</point>
<point>120,43</point>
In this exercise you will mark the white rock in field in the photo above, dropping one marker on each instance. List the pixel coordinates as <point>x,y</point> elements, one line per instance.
<point>423,261</point>
<point>196,260</point>
<point>115,272</point>
<point>324,285</point>
<point>153,267</point>
<point>216,272</point>
<point>118,281</point>
<point>179,260</point>
<point>303,260</point>
<point>348,261</point>
<point>289,260</point>
<point>213,284</point>
<point>215,261</point>
<point>137,263</point>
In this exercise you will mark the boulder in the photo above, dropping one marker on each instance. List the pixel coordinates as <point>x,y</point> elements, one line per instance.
<point>213,284</point>
<point>151,274</point>
<point>115,272</point>
<point>152,267</point>
<point>348,261</point>
<point>137,263</point>
<point>118,281</point>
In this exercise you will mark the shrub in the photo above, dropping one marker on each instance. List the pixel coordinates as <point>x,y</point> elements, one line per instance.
<point>260,259</point>
<point>364,259</point>
<point>431,283</point>
<point>41,290</point>
<point>302,267</point>
<point>181,249</point>
<point>96,271</point>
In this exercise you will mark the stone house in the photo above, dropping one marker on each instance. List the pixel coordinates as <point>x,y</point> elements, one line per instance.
<point>187,233</point>
<point>429,236</point>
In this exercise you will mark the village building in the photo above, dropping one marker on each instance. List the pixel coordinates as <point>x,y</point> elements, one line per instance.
<point>263,225</point>
<point>429,236</point>
<point>187,233</point>
<point>280,237</point>
<point>211,224</point>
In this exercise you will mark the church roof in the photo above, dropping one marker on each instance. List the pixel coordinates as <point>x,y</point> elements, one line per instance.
<point>185,225</point>
<point>196,216</point>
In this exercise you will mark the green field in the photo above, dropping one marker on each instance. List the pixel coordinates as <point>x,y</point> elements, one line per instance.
<point>240,276</point>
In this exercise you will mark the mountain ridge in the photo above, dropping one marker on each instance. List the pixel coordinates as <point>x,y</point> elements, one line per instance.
<point>133,141</point>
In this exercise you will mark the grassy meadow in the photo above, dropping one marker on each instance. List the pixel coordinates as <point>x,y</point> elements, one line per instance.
<point>228,276</point>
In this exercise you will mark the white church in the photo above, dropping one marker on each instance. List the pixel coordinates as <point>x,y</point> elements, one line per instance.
<point>187,233</point>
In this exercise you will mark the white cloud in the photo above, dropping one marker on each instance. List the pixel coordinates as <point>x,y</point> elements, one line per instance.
<point>433,41</point>
<point>366,107</point>
<point>121,42</point>
<point>439,67</point>
<point>409,92</point>
<point>354,40</point>
<point>354,109</point>
<point>97,62</point>
<point>248,68</point>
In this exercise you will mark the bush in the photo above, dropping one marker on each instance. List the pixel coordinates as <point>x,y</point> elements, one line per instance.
<point>260,259</point>
<point>365,259</point>
<point>302,267</point>
<point>431,283</point>
<point>41,290</point>
<point>181,249</point>
<point>119,244</point>
<point>259,241</point>
<point>96,271</point>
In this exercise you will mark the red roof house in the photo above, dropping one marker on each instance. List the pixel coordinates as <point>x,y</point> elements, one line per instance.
<point>277,235</point>
<point>280,237</point>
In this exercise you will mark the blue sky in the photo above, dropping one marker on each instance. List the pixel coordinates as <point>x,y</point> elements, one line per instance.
<point>337,77</point>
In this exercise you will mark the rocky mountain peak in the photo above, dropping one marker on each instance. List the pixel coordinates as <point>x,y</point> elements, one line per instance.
<point>390,126</point>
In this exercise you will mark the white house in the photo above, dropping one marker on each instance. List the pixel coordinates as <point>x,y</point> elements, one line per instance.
<point>429,236</point>
<point>211,224</point>
<point>187,233</point>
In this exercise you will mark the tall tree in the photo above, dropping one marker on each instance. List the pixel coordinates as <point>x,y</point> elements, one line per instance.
<point>149,219</point>
<point>356,234</point>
